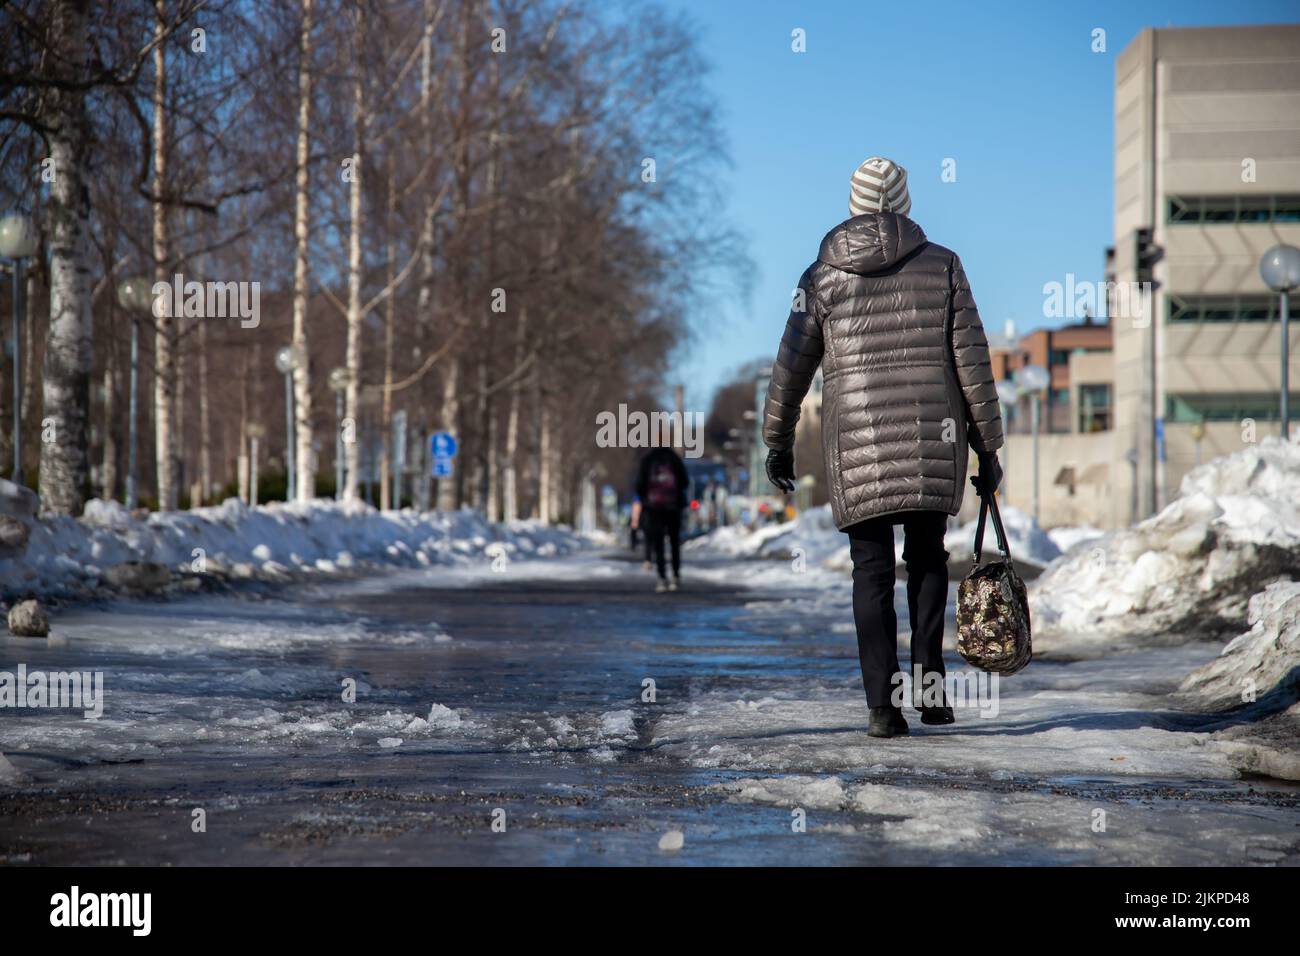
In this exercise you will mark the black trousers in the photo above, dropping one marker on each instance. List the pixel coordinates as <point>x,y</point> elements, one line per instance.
<point>661,522</point>
<point>871,544</point>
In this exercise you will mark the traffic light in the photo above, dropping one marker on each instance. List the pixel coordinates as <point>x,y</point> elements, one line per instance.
<point>1145,255</point>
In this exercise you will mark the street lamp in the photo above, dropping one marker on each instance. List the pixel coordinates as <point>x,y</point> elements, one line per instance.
<point>288,358</point>
<point>1280,270</point>
<point>255,433</point>
<point>340,378</point>
<point>1198,435</point>
<point>135,296</point>
<point>1031,380</point>
<point>17,242</point>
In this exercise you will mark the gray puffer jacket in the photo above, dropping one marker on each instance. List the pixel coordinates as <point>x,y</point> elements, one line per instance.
<point>907,383</point>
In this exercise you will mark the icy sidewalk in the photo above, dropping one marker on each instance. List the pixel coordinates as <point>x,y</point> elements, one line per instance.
<point>105,549</point>
<point>525,689</point>
<point>1174,710</point>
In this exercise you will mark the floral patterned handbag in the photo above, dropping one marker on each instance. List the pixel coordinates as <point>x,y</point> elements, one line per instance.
<point>992,605</point>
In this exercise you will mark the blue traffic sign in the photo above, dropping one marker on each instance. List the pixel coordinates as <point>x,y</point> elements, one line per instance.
<point>442,445</point>
<point>442,467</point>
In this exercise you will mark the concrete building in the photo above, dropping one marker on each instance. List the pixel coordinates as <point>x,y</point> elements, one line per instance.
<point>1074,444</point>
<point>1057,350</point>
<point>1207,177</point>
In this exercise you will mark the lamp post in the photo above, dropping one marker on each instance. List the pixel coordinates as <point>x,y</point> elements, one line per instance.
<point>255,433</point>
<point>287,358</point>
<point>1031,380</point>
<point>339,379</point>
<point>135,296</point>
<point>1280,270</point>
<point>17,242</point>
<point>1198,435</point>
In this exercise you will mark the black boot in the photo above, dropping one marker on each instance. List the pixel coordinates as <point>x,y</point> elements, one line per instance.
<point>886,721</point>
<point>937,715</point>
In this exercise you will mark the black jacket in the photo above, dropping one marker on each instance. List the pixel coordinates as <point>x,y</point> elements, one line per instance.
<point>890,318</point>
<point>673,460</point>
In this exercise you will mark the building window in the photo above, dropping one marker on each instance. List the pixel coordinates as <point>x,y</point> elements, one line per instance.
<point>1094,407</point>
<point>1222,308</point>
<point>1221,209</point>
<point>1225,407</point>
<point>1058,357</point>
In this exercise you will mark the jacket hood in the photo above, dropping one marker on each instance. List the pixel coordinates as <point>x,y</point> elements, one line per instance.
<point>870,243</point>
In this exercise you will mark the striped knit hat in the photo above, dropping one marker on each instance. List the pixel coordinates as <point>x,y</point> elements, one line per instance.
<point>879,185</point>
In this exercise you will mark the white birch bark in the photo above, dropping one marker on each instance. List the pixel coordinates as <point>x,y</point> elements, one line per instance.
<point>304,455</point>
<point>65,383</point>
<point>352,395</point>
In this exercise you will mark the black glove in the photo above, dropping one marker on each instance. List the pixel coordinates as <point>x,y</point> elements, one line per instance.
<point>990,476</point>
<point>780,469</point>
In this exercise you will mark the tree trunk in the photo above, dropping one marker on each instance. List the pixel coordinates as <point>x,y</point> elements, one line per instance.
<point>352,398</point>
<point>424,306</point>
<point>448,488</point>
<point>108,471</point>
<point>304,453</point>
<point>545,474</point>
<point>165,339</point>
<point>205,420</point>
<point>386,462</point>
<point>450,413</point>
<point>509,482</point>
<point>66,375</point>
<point>242,462</point>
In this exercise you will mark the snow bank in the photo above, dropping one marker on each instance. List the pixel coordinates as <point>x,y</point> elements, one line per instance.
<point>1186,572</point>
<point>1068,538</point>
<point>814,535</point>
<point>1270,747</point>
<point>70,557</point>
<point>1027,541</point>
<point>1263,662</point>
<point>1255,676</point>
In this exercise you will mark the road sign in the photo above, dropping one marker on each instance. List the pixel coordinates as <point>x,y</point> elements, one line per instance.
<point>442,467</point>
<point>442,445</point>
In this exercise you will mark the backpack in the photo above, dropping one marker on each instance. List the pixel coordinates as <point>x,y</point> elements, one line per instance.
<point>993,607</point>
<point>661,490</point>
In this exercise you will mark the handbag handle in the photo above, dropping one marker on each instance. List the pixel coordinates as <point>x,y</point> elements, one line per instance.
<point>989,503</point>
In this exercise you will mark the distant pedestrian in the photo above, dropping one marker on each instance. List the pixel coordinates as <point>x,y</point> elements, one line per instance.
<point>661,485</point>
<point>908,385</point>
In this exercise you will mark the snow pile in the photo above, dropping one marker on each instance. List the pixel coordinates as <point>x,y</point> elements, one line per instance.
<point>1188,571</point>
<point>71,557</point>
<point>1263,662</point>
<point>1027,541</point>
<point>1067,538</point>
<point>1257,674</point>
<point>812,535</point>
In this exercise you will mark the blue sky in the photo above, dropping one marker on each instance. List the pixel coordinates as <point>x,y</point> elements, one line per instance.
<point>1012,92</point>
